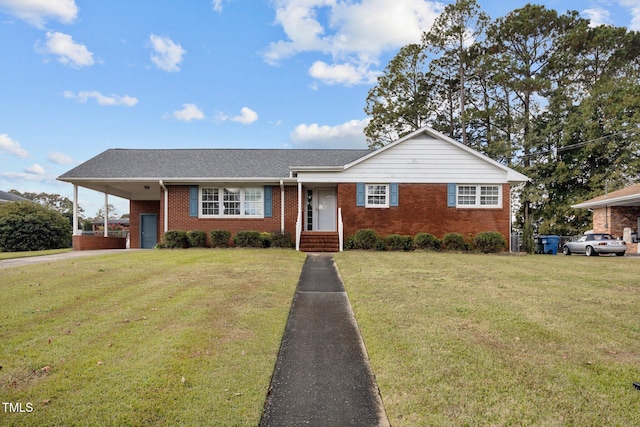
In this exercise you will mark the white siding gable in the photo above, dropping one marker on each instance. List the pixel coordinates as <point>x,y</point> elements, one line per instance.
<point>421,158</point>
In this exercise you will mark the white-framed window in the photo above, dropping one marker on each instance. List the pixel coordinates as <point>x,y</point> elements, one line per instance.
<point>489,195</point>
<point>377,196</point>
<point>210,198</point>
<point>479,196</point>
<point>253,202</point>
<point>231,202</point>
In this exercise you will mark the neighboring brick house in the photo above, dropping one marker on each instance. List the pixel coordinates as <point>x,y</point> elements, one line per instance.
<point>424,182</point>
<point>615,213</point>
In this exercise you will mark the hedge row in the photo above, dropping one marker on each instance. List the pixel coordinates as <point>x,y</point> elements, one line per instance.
<point>367,239</point>
<point>180,239</point>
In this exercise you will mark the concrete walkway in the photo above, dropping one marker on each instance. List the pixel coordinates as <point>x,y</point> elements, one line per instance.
<point>322,375</point>
<point>20,262</point>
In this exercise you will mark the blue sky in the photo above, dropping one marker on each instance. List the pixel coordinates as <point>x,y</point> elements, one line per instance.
<point>80,76</point>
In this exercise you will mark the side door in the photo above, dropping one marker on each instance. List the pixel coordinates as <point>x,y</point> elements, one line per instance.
<point>148,230</point>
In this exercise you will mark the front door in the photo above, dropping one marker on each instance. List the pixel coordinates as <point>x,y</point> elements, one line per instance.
<point>148,231</point>
<point>326,209</point>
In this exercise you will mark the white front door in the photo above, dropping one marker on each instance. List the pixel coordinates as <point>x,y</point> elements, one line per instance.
<point>326,209</point>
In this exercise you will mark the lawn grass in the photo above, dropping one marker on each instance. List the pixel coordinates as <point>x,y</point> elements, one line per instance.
<point>185,337</point>
<point>459,339</point>
<point>11,255</point>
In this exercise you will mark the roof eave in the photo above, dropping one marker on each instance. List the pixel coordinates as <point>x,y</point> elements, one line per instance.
<point>176,180</point>
<point>316,168</point>
<point>615,201</point>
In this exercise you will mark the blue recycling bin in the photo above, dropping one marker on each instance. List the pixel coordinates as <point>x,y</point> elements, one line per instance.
<point>549,244</point>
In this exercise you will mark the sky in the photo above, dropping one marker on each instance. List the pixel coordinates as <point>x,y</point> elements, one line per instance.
<point>78,77</point>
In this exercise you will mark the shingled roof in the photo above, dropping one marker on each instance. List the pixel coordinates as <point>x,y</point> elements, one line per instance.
<point>206,163</point>
<point>10,197</point>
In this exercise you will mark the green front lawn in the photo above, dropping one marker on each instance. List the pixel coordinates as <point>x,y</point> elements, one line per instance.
<point>500,340</point>
<point>144,338</point>
<point>190,337</point>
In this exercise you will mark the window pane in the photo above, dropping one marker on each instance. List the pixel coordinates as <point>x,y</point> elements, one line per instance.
<point>489,195</point>
<point>253,201</point>
<point>467,195</point>
<point>231,201</point>
<point>377,195</point>
<point>210,201</point>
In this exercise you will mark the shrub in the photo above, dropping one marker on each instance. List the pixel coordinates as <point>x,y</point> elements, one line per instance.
<point>279,240</point>
<point>197,238</point>
<point>427,241</point>
<point>396,242</point>
<point>367,239</point>
<point>454,242</point>
<point>175,239</point>
<point>252,239</point>
<point>489,242</point>
<point>220,238</point>
<point>28,226</point>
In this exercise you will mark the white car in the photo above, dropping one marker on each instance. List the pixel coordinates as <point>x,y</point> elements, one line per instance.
<point>595,244</point>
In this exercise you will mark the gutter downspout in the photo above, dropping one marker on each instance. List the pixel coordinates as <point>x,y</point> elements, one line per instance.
<point>166,207</point>
<point>282,207</point>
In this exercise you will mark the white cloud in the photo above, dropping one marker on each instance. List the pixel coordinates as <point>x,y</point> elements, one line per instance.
<point>217,5</point>
<point>598,16</point>
<point>60,158</point>
<point>168,54</point>
<point>35,169</point>
<point>24,176</point>
<point>634,6</point>
<point>347,74</point>
<point>10,146</point>
<point>353,34</point>
<point>346,135</point>
<point>84,96</point>
<point>188,113</point>
<point>69,52</point>
<point>246,117</point>
<point>37,12</point>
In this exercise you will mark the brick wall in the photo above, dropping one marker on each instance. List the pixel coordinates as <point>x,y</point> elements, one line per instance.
<point>137,207</point>
<point>179,218</point>
<point>614,219</point>
<point>90,243</point>
<point>422,208</point>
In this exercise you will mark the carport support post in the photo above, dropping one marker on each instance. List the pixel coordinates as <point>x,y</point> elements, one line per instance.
<point>106,214</point>
<point>75,210</point>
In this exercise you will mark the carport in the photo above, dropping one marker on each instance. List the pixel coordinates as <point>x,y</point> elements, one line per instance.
<point>617,213</point>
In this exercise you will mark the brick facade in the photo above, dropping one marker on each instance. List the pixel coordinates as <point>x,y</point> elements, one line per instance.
<point>422,208</point>
<point>137,207</point>
<point>179,218</point>
<point>614,219</point>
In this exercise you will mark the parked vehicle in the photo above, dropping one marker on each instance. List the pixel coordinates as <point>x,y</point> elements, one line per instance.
<point>595,244</point>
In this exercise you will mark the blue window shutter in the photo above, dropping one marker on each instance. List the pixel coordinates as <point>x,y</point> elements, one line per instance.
<point>451,195</point>
<point>268,201</point>
<point>393,190</point>
<point>193,200</point>
<point>360,194</point>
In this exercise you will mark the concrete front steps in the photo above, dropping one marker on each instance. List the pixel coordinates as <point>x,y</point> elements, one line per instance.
<point>319,241</point>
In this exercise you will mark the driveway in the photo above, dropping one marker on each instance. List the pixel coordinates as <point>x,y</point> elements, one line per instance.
<point>21,262</point>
